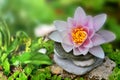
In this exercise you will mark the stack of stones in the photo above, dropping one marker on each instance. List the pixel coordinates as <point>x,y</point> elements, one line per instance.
<point>78,65</point>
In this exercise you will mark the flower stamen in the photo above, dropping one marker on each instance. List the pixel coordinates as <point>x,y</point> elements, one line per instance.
<point>79,35</point>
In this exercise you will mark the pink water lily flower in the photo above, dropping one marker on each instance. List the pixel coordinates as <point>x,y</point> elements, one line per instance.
<point>82,34</point>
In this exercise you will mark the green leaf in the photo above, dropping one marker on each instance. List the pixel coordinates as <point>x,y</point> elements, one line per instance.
<point>38,58</point>
<point>1,41</point>
<point>49,46</point>
<point>54,77</point>
<point>115,56</point>
<point>14,75</point>
<point>42,76</point>
<point>22,36</point>
<point>15,60</point>
<point>6,66</point>
<point>28,69</point>
<point>22,76</point>
<point>13,45</point>
<point>35,77</point>
<point>115,74</point>
<point>36,44</point>
<point>3,57</point>
<point>59,78</point>
<point>32,58</point>
<point>81,78</point>
<point>48,75</point>
<point>67,79</point>
<point>4,35</point>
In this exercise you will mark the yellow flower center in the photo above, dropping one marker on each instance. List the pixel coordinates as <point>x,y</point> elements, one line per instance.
<point>79,35</point>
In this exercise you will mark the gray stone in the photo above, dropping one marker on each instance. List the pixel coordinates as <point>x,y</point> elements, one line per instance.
<point>70,67</point>
<point>84,63</point>
<point>103,71</point>
<point>61,53</point>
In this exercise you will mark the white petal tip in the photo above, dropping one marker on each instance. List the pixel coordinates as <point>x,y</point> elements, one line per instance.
<point>100,56</point>
<point>104,15</point>
<point>107,35</point>
<point>79,8</point>
<point>114,36</point>
<point>55,36</point>
<point>60,25</point>
<point>66,47</point>
<point>99,20</point>
<point>97,51</point>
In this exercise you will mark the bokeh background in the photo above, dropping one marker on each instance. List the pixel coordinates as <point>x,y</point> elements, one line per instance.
<point>27,14</point>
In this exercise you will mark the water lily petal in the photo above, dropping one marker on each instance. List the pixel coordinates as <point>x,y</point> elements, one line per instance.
<point>89,25</point>
<point>88,43</point>
<point>55,36</point>
<point>76,51</point>
<point>107,35</point>
<point>83,50</point>
<point>67,40</point>
<point>86,29</point>
<point>89,22</point>
<point>97,40</point>
<point>91,33</point>
<point>60,25</point>
<point>71,22</point>
<point>63,33</point>
<point>97,51</point>
<point>98,21</point>
<point>66,47</point>
<point>79,16</point>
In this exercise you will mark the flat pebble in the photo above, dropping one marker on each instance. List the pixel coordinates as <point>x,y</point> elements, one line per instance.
<point>84,63</point>
<point>70,67</point>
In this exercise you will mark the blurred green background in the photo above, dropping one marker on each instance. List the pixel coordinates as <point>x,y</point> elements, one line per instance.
<point>27,14</point>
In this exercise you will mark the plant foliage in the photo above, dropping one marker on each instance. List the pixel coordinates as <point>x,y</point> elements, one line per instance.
<point>21,52</point>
